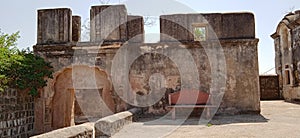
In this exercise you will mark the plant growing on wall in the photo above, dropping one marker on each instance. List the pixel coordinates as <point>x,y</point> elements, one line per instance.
<point>21,69</point>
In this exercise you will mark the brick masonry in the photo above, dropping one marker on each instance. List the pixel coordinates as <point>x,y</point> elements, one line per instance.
<point>16,114</point>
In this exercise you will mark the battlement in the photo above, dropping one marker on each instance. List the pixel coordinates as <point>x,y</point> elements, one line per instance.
<point>215,25</point>
<point>107,23</point>
<point>111,23</point>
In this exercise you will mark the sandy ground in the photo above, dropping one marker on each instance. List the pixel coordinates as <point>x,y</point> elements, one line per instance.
<point>278,119</point>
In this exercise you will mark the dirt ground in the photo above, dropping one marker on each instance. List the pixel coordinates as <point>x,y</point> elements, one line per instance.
<point>278,119</point>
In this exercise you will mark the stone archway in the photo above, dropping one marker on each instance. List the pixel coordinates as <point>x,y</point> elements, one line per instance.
<point>81,92</point>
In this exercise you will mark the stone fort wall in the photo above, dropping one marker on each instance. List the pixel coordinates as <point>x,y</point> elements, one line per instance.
<point>229,45</point>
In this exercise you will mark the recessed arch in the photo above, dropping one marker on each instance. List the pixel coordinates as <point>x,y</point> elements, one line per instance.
<point>80,92</point>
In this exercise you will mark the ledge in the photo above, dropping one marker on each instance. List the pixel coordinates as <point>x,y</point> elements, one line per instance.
<point>83,130</point>
<point>108,126</point>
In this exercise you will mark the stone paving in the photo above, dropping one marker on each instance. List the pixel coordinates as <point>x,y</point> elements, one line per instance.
<point>277,119</point>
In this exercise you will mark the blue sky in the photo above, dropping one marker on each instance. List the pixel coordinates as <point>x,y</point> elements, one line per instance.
<point>21,16</point>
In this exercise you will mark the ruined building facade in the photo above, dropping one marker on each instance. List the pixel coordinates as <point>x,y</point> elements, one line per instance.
<point>287,58</point>
<point>223,48</point>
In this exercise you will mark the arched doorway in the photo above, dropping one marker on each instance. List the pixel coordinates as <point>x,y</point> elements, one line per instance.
<point>81,92</point>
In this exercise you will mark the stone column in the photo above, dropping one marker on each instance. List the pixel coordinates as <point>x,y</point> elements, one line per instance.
<point>76,28</point>
<point>54,26</point>
<point>108,23</point>
<point>174,27</point>
<point>135,29</point>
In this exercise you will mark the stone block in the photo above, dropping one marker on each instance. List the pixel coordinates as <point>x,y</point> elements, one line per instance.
<point>108,23</point>
<point>214,20</point>
<point>76,28</point>
<point>83,130</point>
<point>54,26</point>
<point>174,27</point>
<point>269,87</point>
<point>238,26</point>
<point>108,126</point>
<point>180,27</point>
<point>135,29</point>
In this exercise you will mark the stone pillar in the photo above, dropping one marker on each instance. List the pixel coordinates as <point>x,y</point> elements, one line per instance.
<point>174,27</point>
<point>135,29</point>
<point>108,23</point>
<point>76,28</point>
<point>54,26</point>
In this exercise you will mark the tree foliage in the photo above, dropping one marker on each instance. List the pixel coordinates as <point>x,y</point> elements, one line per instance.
<point>21,69</point>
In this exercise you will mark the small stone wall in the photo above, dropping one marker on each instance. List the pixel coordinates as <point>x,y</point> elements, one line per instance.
<point>80,131</point>
<point>104,127</point>
<point>110,125</point>
<point>16,114</point>
<point>269,87</point>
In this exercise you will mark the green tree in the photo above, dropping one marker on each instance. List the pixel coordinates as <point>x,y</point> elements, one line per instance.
<point>8,56</point>
<point>21,69</point>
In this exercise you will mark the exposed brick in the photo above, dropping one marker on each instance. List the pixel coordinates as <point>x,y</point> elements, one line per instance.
<point>13,118</point>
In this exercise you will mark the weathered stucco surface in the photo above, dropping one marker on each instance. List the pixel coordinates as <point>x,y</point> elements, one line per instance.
<point>287,58</point>
<point>83,67</point>
<point>269,87</point>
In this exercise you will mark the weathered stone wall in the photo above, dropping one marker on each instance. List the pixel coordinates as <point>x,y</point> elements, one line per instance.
<point>269,87</point>
<point>296,54</point>
<point>234,49</point>
<point>135,28</point>
<point>79,131</point>
<point>104,127</point>
<point>287,59</point>
<point>16,114</point>
<point>54,26</point>
<point>242,84</point>
<point>241,94</point>
<point>291,94</point>
<point>219,26</point>
<point>84,62</point>
<point>114,18</point>
<point>76,28</point>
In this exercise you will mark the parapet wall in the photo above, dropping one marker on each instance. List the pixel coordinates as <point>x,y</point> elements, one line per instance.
<point>104,127</point>
<point>112,23</point>
<point>107,23</point>
<point>219,26</point>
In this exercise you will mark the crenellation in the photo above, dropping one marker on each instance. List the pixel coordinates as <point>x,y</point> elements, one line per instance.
<point>54,26</point>
<point>135,29</point>
<point>113,17</point>
<point>180,27</point>
<point>76,28</point>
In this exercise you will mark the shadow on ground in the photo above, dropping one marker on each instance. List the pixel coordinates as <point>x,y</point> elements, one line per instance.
<point>244,118</point>
<point>192,120</point>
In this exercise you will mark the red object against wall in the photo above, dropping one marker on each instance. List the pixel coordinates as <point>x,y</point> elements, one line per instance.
<point>189,97</point>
